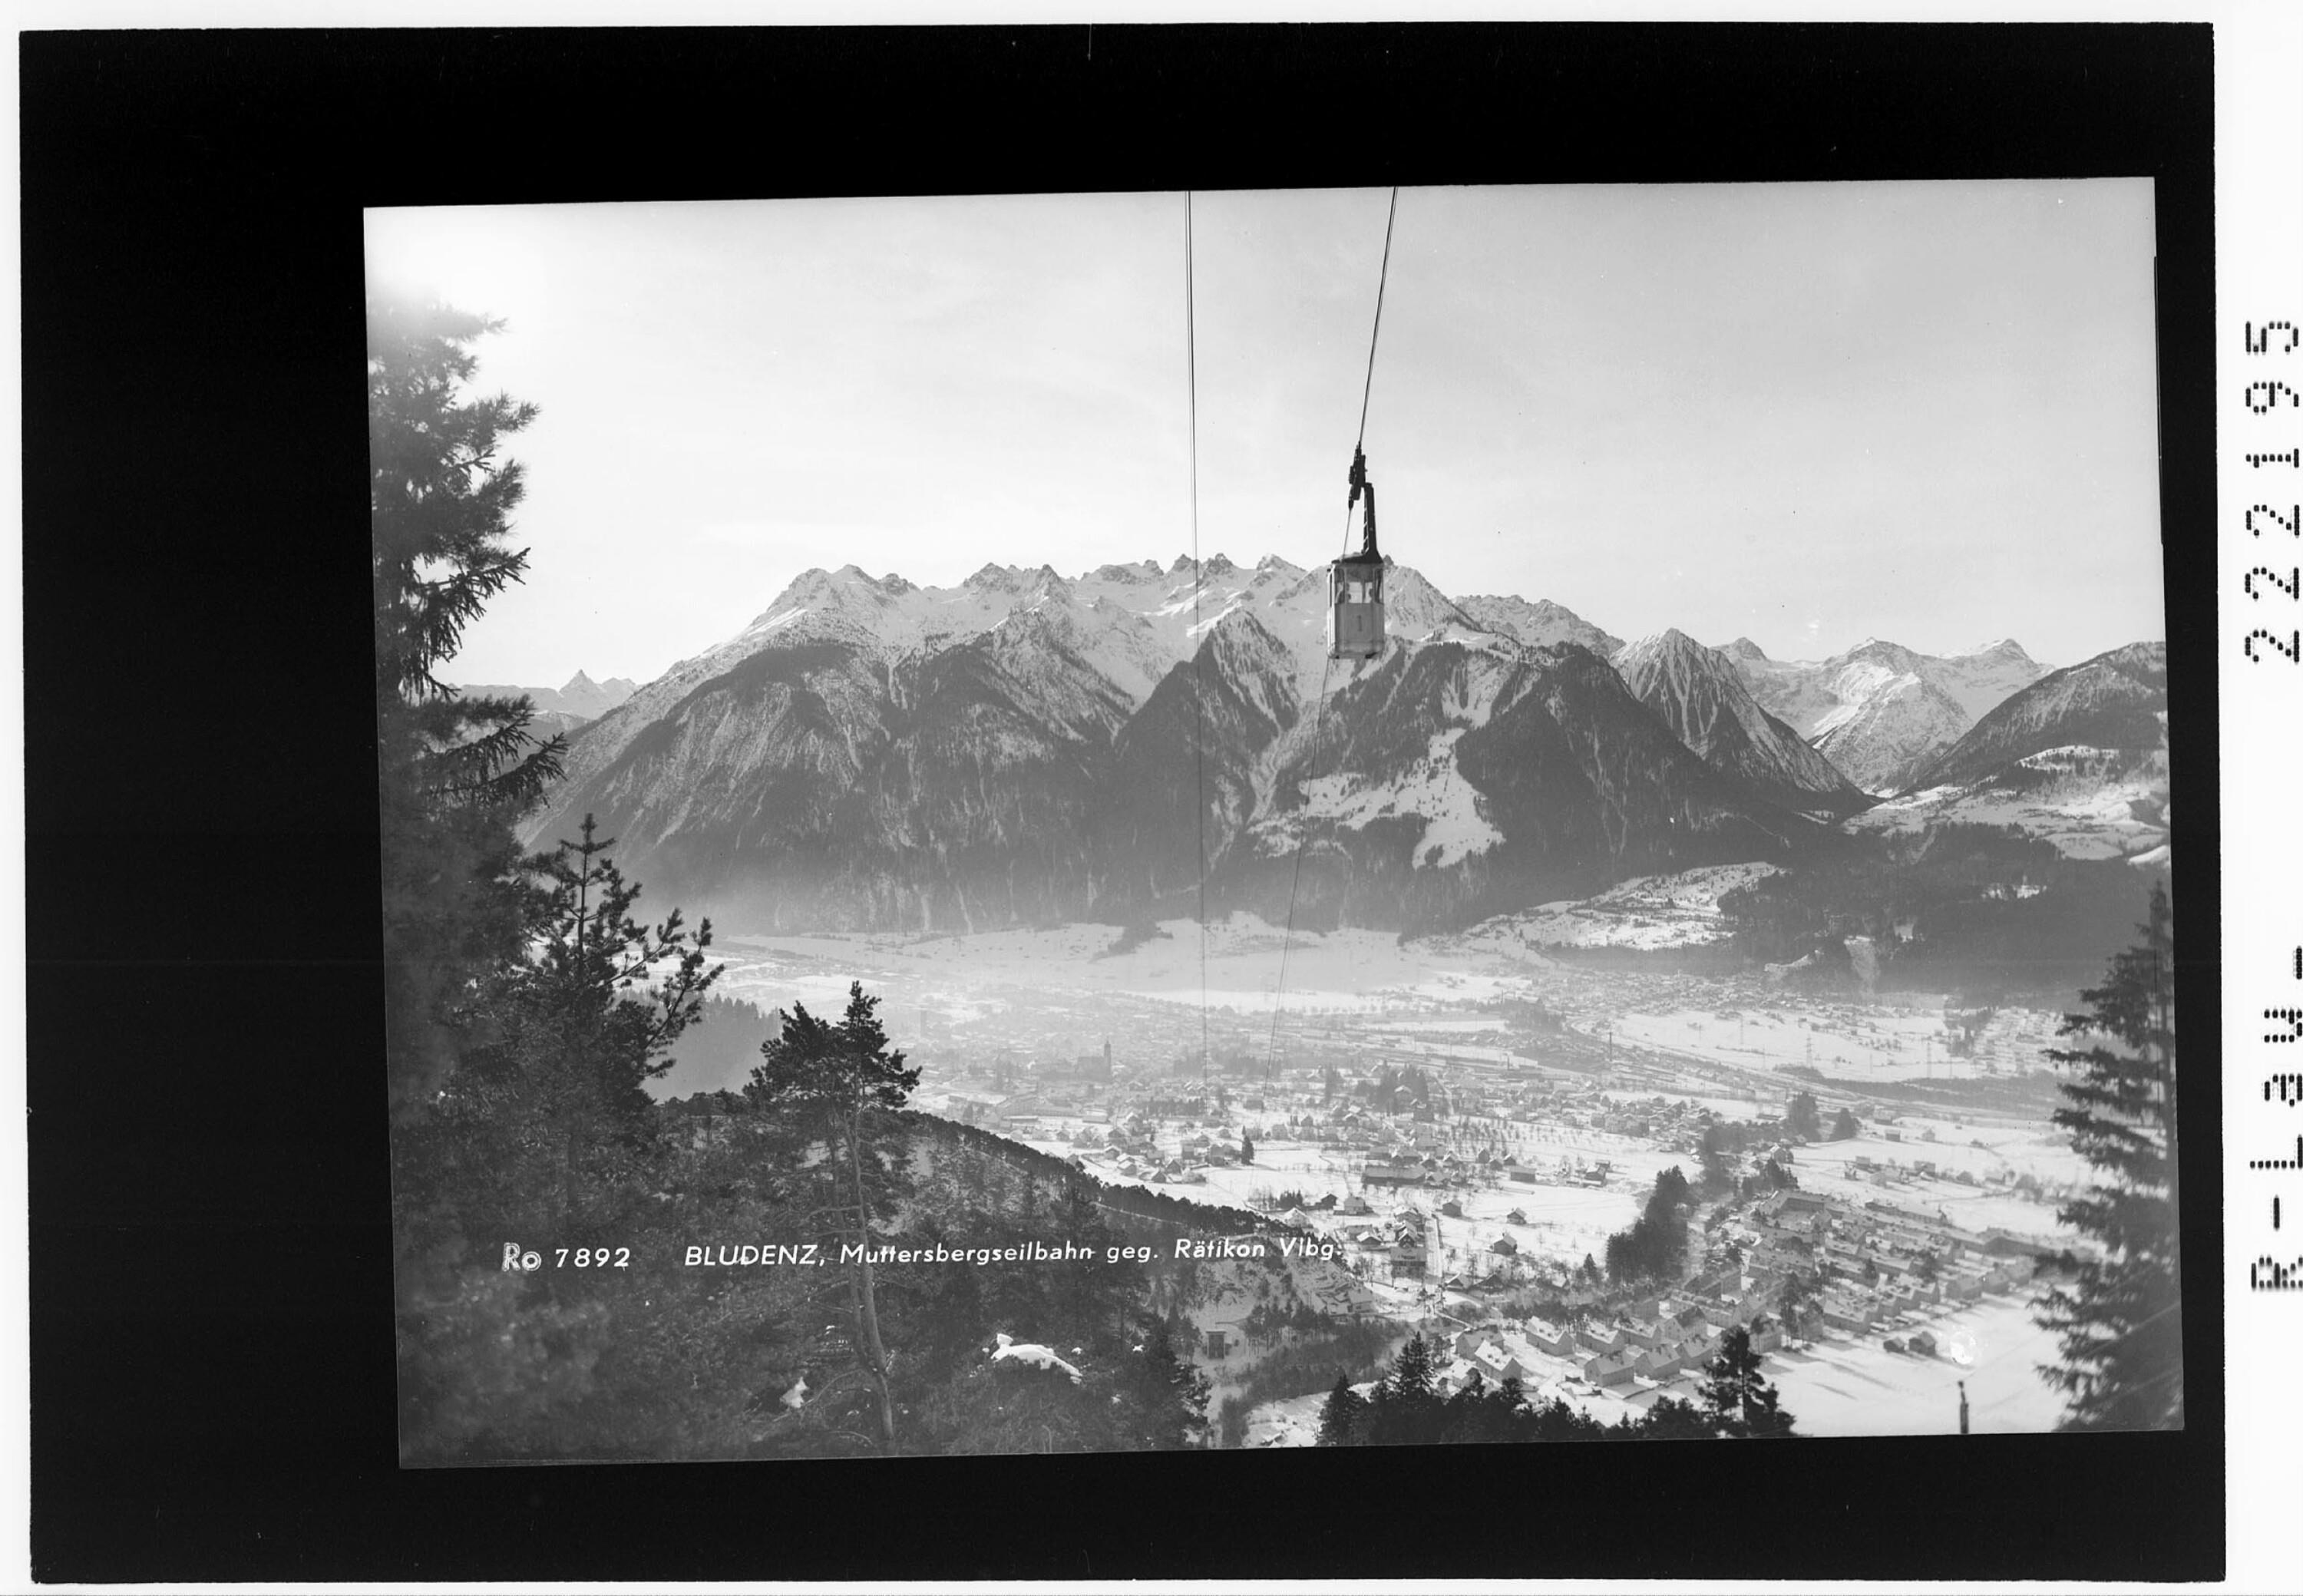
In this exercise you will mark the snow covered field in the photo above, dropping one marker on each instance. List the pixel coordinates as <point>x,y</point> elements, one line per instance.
<point>1850,1386</point>
<point>1848,1040</point>
<point>1562,1222</point>
<point>1295,1000</point>
<point>1345,971</point>
<point>1416,1004</point>
<point>1293,1422</point>
<point>2083,815</point>
<point>1839,1386</point>
<point>1358,976</point>
<point>1649,911</point>
<point>2033,1149</point>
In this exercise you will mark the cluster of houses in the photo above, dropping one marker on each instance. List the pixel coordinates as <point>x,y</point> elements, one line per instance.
<point>1567,1171</point>
<point>1127,1121</point>
<point>1888,1269</point>
<point>1650,1341</point>
<point>1106,1105</point>
<point>1131,1149</point>
<point>1643,1343</point>
<point>1885,1266</point>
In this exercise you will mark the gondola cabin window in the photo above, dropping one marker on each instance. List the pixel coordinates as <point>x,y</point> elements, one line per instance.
<point>1355,610</point>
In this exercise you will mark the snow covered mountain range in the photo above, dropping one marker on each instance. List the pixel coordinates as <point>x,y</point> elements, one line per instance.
<point>2078,757</point>
<point>1880,712</point>
<point>1025,747</point>
<point>1705,702</point>
<point>563,710</point>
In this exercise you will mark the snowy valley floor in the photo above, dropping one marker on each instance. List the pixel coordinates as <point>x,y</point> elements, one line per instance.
<point>1835,1387</point>
<point>990,1018</point>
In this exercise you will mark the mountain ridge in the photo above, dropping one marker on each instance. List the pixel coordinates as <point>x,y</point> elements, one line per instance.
<point>1881,711</point>
<point>2118,699</point>
<point>1025,747</point>
<point>1701,696</point>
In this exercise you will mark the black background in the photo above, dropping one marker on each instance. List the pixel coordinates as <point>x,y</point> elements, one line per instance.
<point>211,1295</point>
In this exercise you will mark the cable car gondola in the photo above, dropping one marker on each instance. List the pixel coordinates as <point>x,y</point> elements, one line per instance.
<point>1355,583</point>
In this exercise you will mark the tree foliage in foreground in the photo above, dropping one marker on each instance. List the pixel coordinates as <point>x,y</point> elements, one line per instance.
<point>548,1110</point>
<point>2118,1323</point>
<point>454,773</point>
<point>1738,1399</point>
<point>844,1080</point>
<point>1406,1406</point>
<point>548,1213</point>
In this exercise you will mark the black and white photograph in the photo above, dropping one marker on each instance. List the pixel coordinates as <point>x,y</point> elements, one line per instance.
<point>1088,801</point>
<point>950,887</point>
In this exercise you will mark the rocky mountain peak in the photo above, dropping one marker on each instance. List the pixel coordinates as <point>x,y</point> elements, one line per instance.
<point>1024,747</point>
<point>2113,701</point>
<point>1673,648</point>
<point>1542,624</point>
<point>1702,697</point>
<point>1878,651</point>
<point>1143,570</point>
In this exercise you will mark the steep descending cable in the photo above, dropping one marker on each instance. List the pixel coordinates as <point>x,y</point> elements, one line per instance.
<point>1319,704</point>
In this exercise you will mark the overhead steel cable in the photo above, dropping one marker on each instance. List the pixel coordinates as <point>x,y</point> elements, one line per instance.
<point>1319,704</point>
<point>1368,387</point>
<point>1199,717</point>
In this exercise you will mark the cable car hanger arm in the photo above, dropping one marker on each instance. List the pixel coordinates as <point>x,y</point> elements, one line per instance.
<point>1362,484</point>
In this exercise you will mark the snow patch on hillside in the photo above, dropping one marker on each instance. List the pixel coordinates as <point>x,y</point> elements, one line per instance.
<point>1858,682</point>
<point>2088,802</point>
<point>1431,790</point>
<point>1679,910</point>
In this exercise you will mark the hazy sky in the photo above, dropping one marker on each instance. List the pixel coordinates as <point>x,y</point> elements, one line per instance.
<point>1805,413</point>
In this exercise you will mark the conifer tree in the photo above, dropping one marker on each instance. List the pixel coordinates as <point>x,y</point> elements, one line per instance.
<point>454,773</point>
<point>2118,1323</point>
<point>1405,1408</point>
<point>1168,1397</point>
<point>553,1100</point>
<point>1796,1299</point>
<point>844,1080</point>
<point>1739,1399</point>
<point>1084,1294</point>
<point>1339,1419</point>
<point>1232,1422</point>
<point>1655,1244</point>
<point>453,777</point>
<point>1669,1418</point>
<point>1413,1371</point>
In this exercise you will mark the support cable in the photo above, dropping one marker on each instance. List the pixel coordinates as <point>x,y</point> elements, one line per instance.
<point>1368,388</point>
<point>1198,728</point>
<point>1319,704</point>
